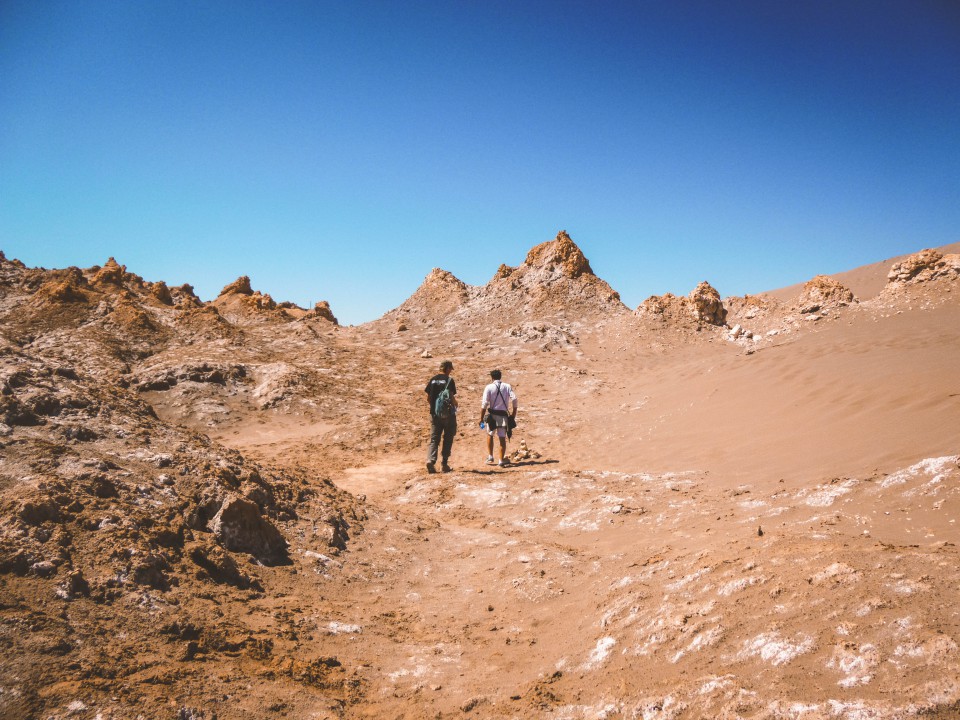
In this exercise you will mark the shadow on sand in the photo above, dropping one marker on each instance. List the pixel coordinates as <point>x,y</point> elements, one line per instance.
<point>494,469</point>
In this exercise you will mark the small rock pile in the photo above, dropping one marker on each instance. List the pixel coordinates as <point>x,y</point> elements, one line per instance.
<point>523,453</point>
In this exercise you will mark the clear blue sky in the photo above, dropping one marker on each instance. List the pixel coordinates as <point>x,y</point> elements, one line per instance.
<point>340,150</point>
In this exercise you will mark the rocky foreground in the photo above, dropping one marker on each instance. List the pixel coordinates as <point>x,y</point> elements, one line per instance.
<point>741,507</point>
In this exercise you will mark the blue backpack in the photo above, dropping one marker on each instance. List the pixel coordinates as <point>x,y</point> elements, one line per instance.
<point>443,405</point>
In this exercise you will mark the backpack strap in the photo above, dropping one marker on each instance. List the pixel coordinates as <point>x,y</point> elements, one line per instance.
<point>506,405</point>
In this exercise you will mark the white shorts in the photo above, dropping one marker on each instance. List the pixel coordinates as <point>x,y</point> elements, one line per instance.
<point>498,425</point>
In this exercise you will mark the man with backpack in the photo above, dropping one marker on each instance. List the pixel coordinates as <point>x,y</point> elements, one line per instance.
<point>498,411</point>
<point>442,396</point>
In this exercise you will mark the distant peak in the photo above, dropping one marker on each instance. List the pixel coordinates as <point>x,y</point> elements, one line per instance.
<point>442,277</point>
<point>561,252</point>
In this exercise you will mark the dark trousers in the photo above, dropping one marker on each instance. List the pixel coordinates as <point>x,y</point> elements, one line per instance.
<point>447,428</point>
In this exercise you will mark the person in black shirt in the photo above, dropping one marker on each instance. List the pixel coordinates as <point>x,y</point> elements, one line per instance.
<point>438,426</point>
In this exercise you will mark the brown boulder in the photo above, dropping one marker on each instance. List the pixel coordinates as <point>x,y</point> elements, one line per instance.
<point>240,526</point>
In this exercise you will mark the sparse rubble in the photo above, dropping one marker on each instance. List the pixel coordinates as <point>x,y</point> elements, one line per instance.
<point>547,335</point>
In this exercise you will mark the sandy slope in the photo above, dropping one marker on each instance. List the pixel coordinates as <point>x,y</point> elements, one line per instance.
<point>870,390</point>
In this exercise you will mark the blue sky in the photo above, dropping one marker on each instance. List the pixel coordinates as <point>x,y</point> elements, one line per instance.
<point>340,150</point>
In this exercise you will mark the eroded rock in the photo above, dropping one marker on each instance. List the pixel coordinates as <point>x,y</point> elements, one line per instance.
<point>240,526</point>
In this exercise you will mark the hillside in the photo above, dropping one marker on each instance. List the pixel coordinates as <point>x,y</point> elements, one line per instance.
<point>719,507</point>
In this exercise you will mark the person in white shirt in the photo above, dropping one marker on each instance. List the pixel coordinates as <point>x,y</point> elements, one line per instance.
<point>498,410</point>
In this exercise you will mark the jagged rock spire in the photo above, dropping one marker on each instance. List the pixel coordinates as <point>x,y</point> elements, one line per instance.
<point>561,252</point>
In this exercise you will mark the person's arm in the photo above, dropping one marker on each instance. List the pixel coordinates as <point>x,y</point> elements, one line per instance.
<point>513,399</point>
<point>483,405</point>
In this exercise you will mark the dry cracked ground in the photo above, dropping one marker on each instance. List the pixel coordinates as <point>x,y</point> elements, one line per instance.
<point>718,508</point>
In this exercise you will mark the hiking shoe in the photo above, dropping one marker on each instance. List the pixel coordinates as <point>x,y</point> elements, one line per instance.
<point>431,468</point>
<point>445,468</point>
<point>505,461</point>
<point>490,460</point>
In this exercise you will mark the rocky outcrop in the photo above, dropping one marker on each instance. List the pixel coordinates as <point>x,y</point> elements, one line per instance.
<point>161,292</point>
<point>184,296</point>
<point>61,291</point>
<point>749,307</point>
<point>240,286</point>
<point>706,305</point>
<point>440,294</point>
<point>560,255</point>
<point>322,310</point>
<point>259,301</point>
<point>112,273</point>
<point>925,266</point>
<point>554,282</point>
<point>823,293</point>
<point>702,306</point>
<point>208,372</point>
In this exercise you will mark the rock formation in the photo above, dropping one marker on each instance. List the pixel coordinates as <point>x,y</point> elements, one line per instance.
<point>322,310</point>
<point>558,257</point>
<point>925,266</point>
<point>702,306</point>
<point>706,305</point>
<point>823,293</point>
<point>554,282</point>
<point>240,286</point>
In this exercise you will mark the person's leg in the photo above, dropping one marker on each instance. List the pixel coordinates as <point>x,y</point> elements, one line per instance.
<point>449,432</point>
<point>436,428</point>
<point>503,446</point>
<point>490,445</point>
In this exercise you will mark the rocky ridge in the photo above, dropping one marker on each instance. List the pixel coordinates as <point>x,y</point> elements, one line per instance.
<point>554,282</point>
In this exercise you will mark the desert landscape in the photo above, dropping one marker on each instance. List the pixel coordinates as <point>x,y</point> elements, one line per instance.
<point>718,507</point>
